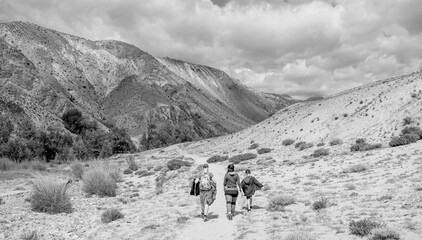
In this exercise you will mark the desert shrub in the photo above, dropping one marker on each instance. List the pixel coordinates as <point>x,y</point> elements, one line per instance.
<point>77,170</point>
<point>356,168</point>
<point>336,141</point>
<point>288,142</point>
<point>350,186</point>
<point>217,158</point>
<point>320,144</point>
<point>278,202</point>
<point>49,196</point>
<point>38,165</point>
<point>384,233</point>
<point>253,146</point>
<point>242,157</point>
<point>31,235</point>
<point>362,145</point>
<point>405,139</point>
<point>363,227</point>
<point>320,204</point>
<point>299,236</point>
<point>6,164</point>
<point>15,149</point>
<point>321,152</point>
<point>303,145</point>
<point>1,201</point>
<point>414,130</point>
<point>110,215</point>
<point>127,171</point>
<point>177,163</point>
<point>98,181</point>
<point>132,164</point>
<point>264,150</point>
<point>407,121</point>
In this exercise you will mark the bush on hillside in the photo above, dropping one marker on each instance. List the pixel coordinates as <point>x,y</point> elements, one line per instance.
<point>6,128</point>
<point>362,145</point>
<point>217,158</point>
<point>110,215</point>
<point>356,168</point>
<point>253,146</point>
<point>288,142</point>
<point>384,233</point>
<point>264,150</point>
<point>303,145</point>
<point>336,141</point>
<point>320,144</point>
<point>320,152</point>
<point>77,170</point>
<point>363,227</point>
<point>98,181</point>
<point>278,202</point>
<point>49,196</point>
<point>177,163</point>
<point>242,157</point>
<point>408,135</point>
<point>320,204</point>
<point>414,130</point>
<point>299,236</point>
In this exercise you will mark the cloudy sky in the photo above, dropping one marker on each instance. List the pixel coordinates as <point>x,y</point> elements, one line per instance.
<point>300,47</point>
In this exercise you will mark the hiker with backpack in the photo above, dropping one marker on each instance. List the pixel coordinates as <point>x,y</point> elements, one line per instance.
<point>249,185</point>
<point>231,186</point>
<point>207,190</point>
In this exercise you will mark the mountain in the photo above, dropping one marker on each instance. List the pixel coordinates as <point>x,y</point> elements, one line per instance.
<point>374,111</point>
<point>44,73</point>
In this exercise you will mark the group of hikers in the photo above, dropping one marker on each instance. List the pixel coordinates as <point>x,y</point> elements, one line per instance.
<point>205,186</point>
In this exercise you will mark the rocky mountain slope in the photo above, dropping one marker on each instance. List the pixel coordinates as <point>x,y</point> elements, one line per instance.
<point>45,73</point>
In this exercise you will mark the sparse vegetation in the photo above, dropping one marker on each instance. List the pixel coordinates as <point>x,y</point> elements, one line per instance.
<point>77,170</point>
<point>110,215</point>
<point>320,152</point>
<point>278,202</point>
<point>384,233</point>
<point>407,121</point>
<point>408,135</point>
<point>6,164</point>
<point>242,157</point>
<point>336,141</point>
<point>356,168</point>
<point>132,164</point>
<point>49,196</point>
<point>288,142</point>
<point>38,165</point>
<point>320,204</point>
<point>320,144</point>
<point>363,227</point>
<point>31,235</point>
<point>264,150</point>
<point>253,146</point>
<point>99,181</point>
<point>217,158</point>
<point>303,145</point>
<point>299,236</point>
<point>361,145</point>
<point>177,163</point>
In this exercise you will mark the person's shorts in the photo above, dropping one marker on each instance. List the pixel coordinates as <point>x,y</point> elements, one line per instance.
<point>206,197</point>
<point>248,197</point>
<point>231,199</point>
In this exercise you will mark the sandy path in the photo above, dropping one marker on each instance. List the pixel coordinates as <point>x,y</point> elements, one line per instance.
<point>218,226</point>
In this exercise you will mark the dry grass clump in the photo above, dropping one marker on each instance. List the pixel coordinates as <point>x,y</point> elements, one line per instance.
<point>6,164</point>
<point>49,196</point>
<point>361,145</point>
<point>217,158</point>
<point>31,235</point>
<point>303,145</point>
<point>384,233</point>
<point>110,215</point>
<point>38,165</point>
<point>363,227</point>
<point>177,163</point>
<point>320,152</point>
<point>278,202</point>
<point>288,142</point>
<point>77,170</point>
<point>360,167</point>
<point>320,204</point>
<point>132,165</point>
<point>253,146</point>
<point>264,150</point>
<point>242,157</point>
<point>336,141</point>
<point>299,236</point>
<point>99,181</point>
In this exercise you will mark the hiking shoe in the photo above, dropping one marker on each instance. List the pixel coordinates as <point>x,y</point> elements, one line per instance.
<point>248,209</point>
<point>205,219</point>
<point>229,216</point>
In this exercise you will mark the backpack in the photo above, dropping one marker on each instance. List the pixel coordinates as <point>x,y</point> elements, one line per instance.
<point>205,182</point>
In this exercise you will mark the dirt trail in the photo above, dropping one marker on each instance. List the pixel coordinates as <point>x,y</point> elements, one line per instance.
<point>218,226</point>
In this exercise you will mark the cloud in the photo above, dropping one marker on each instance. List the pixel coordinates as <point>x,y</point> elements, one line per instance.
<point>299,47</point>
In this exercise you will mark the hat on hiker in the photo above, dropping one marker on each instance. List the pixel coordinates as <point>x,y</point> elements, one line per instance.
<point>205,166</point>
<point>231,167</point>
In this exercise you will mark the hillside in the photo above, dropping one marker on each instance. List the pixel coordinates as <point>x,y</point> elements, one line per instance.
<point>45,73</point>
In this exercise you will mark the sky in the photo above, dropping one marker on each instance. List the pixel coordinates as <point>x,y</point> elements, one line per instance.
<point>303,48</point>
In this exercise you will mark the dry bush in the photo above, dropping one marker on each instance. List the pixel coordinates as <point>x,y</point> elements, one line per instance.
<point>242,157</point>
<point>38,165</point>
<point>408,135</point>
<point>264,150</point>
<point>299,236</point>
<point>288,142</point>
<point>127,171</point>
<point>350,186</point>
<point>336,141</point>
<point>384,233</point>
<point>361,145</point>
<point>7,165</point>
<point>303,145</point>
<point>278,202</point>
<point>77,170</point>
<point>177,163</point>
<point>320,204</point>
<point>217,158</point>
<point>253,146</point>
<point>360,167</point>
<point>31,235</point>
<point>320,144</point>
<point>49,196</point>
<point>99,181</point>
<point>132,164</point>
<point>407,121</point>
<point>111,215</point>
<point>320,152</point>
<point>363,227</point>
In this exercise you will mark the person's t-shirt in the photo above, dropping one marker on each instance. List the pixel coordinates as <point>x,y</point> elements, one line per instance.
<point>231,180</point>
